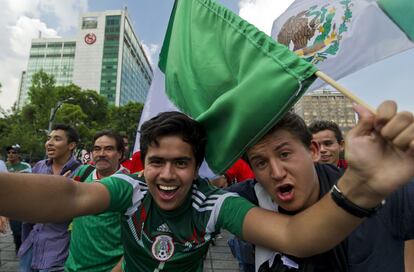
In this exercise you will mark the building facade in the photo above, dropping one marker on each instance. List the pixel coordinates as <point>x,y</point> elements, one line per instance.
<point>54,56</point>
<point>327,105</point>
<point>106,56</point>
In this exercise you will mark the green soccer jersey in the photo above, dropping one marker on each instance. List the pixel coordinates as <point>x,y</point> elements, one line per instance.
<point>20,167</point>
<point>157,240</point>
<point>95,244</point>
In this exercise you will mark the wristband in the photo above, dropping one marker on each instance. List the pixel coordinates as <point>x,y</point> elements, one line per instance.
<point>350,207</point>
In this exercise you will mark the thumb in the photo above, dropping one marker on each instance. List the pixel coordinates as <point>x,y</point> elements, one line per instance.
<point>365,121</point>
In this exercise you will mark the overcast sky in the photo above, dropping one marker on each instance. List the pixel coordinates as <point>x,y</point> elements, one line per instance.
<point>21,20</point>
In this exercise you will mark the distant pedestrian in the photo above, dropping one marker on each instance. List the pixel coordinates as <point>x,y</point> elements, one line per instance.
<point>16,165</point>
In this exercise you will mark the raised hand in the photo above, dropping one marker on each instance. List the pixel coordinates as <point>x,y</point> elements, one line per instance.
<point>380,149</point>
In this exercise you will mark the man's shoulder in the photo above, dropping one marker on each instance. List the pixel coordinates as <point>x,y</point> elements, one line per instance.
<point>328,174</point>
<point>25,164</point>
<point>245,189</point>
<point>132,178</point>
<point>84,172</point>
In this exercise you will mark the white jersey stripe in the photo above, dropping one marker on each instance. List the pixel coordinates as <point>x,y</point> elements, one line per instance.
<point>137,194</point>
<point>212,221</point>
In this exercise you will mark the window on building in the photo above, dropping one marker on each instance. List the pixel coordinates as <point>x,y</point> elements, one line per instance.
<point>89,22</point>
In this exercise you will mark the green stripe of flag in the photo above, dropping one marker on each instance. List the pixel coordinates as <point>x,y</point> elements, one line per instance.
<point>402,13</point>
<point>234,79</point>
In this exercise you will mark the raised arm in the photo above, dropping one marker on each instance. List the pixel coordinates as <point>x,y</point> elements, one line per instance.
<point>380,153</point>
<point>49,198</point>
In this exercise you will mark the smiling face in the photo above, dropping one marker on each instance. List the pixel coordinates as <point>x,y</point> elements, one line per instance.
<point>170,169</point>
<point>330,149</point>
<point>58,146</point>
<point>284,167</point>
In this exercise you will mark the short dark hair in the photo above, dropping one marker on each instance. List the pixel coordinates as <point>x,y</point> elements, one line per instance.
<point>71,133</point>
<point>174,123</point>
<point>320,125</point>
<point>119,140</point>
<point>295,125</point>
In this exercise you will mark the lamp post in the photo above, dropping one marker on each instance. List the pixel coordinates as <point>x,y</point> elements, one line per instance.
<point>55,109</point>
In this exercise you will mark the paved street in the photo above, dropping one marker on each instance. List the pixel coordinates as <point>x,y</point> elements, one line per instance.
<point>8,260</point>
<point>219,258</point>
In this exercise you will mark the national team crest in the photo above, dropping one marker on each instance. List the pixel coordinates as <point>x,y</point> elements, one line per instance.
<point>163,248</point>
<point>316,33</point>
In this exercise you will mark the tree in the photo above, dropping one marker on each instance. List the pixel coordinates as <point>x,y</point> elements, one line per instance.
<point>85,110</point>
<point>125,119</point>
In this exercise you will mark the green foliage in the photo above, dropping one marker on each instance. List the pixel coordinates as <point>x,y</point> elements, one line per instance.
<point>125,119</point>
<point>85,110</point>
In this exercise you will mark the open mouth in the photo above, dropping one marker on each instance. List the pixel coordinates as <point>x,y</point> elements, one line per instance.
<point>285,189</point>
<point>285,192</point>
<point>167,189</point>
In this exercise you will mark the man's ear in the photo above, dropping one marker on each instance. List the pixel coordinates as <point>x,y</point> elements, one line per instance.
<point>72,146</point>
<point>342,146</point>
<point>314,149</point>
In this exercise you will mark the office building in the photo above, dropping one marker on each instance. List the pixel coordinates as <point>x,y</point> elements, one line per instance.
<point>327,105</point>
<point>106,56</point>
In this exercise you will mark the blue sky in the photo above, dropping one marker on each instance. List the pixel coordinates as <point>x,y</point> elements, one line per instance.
<point>20,21</point>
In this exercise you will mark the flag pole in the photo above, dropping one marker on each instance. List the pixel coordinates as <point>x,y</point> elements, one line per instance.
<point>343,90</point>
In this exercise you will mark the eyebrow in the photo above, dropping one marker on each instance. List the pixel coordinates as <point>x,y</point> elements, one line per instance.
<point>105,146</point>
<point>278,147</point>
<point>183,158</point>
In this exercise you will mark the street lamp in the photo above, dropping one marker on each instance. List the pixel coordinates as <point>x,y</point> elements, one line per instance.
<point>55,109</point>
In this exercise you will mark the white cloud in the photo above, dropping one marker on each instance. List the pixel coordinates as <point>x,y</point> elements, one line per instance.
<point>66,12</point>
<point>24,29</point>
<point>20,22</point>
<point>152,51</point>
<point>262,13</point>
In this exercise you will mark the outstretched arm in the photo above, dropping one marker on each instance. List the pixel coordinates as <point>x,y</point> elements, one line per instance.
<point>409,255</point>
<point>380,153</point>
<point>49,198</point>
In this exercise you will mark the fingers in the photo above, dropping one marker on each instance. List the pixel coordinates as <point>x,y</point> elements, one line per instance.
<point>397,125</point>
<point>397,128</point>
<point>405,139</point>
<point>366,121</point>
<point>385,112</point>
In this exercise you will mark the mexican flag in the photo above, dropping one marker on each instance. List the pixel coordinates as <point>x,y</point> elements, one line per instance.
<point>343,36</point>
<point>225,73</point>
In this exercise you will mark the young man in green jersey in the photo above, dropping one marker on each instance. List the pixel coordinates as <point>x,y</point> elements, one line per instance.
<point>168,225</point>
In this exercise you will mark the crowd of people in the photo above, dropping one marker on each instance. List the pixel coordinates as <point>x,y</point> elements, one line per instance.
<point>292,195</point>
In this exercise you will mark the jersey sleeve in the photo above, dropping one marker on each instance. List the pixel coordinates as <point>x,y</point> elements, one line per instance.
<point>232,214</point>
<point>125,193</point>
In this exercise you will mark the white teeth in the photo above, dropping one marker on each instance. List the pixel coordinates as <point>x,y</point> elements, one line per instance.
<point>167,188</point>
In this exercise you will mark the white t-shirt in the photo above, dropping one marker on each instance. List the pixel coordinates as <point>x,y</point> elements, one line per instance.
<point>3,167</point>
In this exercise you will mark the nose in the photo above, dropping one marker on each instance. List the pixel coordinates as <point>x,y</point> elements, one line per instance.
<point>278,172</point>
<point>167,171</point>
<point>323,148</point>
<point>100,153</point>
